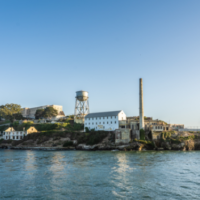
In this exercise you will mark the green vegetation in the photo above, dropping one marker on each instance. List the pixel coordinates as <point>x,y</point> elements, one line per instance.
<point>48,113</point>
<point>182,139</point>
<point>43,136</point>
<point>147,142</point>
<point>11,112</point>
<point>167,136</point>
<point>4,122</point>
<point>142,134</point>
<point>39,113</point>
<point>93,137</point>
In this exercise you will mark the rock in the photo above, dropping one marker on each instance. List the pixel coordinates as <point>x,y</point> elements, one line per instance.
<point>122,147</point>
<point>178,146</point>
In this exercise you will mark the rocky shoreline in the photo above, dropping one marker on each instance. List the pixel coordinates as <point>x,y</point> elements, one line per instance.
<point>187,145</point>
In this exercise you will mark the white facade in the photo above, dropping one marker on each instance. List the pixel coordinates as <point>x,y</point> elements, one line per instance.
<point>107,121</point>
<point>14,135</point>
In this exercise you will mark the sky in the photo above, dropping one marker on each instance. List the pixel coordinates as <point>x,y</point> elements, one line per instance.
<point>49,49</point>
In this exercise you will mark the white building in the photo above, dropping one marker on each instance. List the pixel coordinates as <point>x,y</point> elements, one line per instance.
<point>11,134</point>
<point>106,121</point>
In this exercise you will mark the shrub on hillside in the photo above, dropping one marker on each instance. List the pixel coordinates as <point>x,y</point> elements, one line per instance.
<point>142,134</point>
<point>92,138</point>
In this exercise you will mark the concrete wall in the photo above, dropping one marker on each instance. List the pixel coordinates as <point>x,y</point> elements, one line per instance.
<point>122,136</point>
<point>136,134</point>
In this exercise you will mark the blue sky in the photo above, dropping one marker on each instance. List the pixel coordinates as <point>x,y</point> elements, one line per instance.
<point>50,49</point>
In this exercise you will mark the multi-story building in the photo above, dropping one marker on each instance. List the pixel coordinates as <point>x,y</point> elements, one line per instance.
<point>149,124</point>
<point>11,134</point>
<point>30,112</point>
<point>107,121</point>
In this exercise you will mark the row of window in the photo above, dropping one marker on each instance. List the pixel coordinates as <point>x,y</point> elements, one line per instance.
<point>13,133</point>
<point>13,137</point>
<point>114,117</point>
<point>104,128</point>
<point>100,123</point>
<point>158,127</point>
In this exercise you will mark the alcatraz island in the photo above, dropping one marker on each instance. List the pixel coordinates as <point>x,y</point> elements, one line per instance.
<point>47,128</point>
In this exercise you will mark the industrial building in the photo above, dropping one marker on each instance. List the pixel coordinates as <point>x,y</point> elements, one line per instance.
<point>30,112</point>
<point>107,121</point>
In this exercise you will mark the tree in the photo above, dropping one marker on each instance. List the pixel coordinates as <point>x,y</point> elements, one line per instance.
<point>18,116</point>
<point>39,113</point>
<point>49,112</point>
<point>9,111</point>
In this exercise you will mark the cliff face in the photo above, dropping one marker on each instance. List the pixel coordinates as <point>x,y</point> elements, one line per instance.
<point>187,145</point>
<point>100,141</point>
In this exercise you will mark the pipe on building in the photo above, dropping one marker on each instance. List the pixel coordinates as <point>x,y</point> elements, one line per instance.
<point>141,109</point>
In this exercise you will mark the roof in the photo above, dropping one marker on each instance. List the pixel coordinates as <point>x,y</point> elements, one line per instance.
<point>103,114</point>
<point>5,129</point>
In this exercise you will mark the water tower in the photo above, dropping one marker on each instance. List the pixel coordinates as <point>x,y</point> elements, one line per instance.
<point>81,106</point>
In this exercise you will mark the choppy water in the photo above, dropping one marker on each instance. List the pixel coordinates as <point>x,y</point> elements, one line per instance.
<point>99,175</point>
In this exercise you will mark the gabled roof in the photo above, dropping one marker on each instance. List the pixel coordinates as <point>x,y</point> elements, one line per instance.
<point>31,127</point>
<point>6,129</point>
<point>103,114</point>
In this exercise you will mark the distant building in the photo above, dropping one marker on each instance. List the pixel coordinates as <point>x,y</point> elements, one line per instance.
<point>176,127</point>
<point>30,112</point>
<point>107,121</point>
<point>11,134</point>
<point>150,124</point>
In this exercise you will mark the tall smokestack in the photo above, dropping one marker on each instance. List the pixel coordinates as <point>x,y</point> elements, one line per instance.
<point>141,105</point>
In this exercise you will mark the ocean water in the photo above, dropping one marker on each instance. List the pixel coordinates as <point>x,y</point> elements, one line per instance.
<point>99,175</point>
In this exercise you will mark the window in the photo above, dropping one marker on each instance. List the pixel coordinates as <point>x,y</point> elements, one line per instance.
<point>103,117</point>
<point>115,117</point>
<point>89,123</point>
<point>96,117</point>
<point>111,122</point>
<point>107,117</point>
<point>16,137</point>
<point>99,122</point>
<point>115,122</point>
<point>111,117</point>
<point>92,123</point>
<point>96,122</point>
<point>107,122</point>
<point>103,122</point>
<point>85,123</point>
